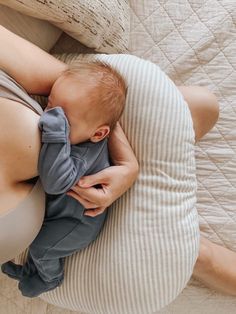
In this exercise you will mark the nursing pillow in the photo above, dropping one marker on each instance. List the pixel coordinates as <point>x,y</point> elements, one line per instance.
<point>145,254</point>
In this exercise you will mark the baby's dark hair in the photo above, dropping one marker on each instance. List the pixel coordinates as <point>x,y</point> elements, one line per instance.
<point>108,88</point>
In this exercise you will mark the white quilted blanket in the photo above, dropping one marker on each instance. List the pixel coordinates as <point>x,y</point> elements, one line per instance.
<point>194,42</point>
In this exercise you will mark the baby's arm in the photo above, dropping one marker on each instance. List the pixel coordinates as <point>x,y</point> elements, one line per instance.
<point>58,170</point>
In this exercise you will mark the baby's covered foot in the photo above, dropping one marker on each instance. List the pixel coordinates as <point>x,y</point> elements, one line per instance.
<point>33,286</point>
<point>12,270</point>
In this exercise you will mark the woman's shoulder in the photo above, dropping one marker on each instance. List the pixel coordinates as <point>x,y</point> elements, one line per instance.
<point>11,89</point>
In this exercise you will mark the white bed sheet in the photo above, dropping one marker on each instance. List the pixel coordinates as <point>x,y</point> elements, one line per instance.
<point>194,42</point>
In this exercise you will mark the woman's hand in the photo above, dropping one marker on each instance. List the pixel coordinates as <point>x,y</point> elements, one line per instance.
<point>114,181</point>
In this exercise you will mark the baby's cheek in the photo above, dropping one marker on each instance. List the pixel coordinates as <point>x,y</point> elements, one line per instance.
<point>73,137</point>
<point>50,106</point>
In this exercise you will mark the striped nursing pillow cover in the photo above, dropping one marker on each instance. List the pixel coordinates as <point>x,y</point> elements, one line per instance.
<point>146,252</point>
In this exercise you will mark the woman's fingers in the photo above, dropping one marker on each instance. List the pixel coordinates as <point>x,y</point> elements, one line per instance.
<point>93,179</point>
<point>91,211</point>
<point>113,182</point>
<point>94,195</point>
<point>87,204</point>
<point>94,212</point>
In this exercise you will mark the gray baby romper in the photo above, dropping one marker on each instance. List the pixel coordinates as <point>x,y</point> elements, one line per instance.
<point>65,229</point>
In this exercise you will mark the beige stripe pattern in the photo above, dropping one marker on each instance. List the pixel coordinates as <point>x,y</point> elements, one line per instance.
<point>145,254</point>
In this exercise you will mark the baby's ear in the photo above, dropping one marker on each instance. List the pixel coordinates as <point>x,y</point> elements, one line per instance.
<point>100,133</point>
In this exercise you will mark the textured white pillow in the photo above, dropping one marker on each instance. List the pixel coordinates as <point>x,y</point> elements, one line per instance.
<point>99,24</point>
<point>146,251</point>
<point>41,33</point>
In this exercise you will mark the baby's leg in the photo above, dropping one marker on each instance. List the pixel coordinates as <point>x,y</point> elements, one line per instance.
<point>13,270</point>
<point>69,237</point>
<point>44,268</point>
<point>32,284</point>
<point>216,265</point>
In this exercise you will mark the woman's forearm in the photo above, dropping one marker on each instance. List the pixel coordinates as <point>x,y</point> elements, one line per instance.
<point>121,152</point>
<point>29,65</point>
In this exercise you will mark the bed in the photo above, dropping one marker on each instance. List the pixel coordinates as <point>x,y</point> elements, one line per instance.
<point>194,42</point>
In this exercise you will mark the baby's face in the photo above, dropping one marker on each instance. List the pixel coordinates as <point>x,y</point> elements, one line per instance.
<point>74,100</point>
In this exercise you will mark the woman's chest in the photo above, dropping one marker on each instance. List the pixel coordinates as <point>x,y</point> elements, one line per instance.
<point>19,142</point>
<point>12,195</point>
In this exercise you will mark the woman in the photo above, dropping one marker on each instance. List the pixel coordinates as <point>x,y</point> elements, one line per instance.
<point>36,71</point>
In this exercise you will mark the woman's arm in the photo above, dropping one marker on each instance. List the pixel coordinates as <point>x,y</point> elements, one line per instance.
<point>115,180</point>
<point>29,65</point>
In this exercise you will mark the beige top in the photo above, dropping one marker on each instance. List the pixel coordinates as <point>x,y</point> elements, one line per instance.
<point>20,225</point>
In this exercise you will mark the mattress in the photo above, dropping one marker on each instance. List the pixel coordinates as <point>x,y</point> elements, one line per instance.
<point>194,42</point>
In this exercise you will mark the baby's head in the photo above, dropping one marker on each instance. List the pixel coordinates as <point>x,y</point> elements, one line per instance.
<point>92,96</point>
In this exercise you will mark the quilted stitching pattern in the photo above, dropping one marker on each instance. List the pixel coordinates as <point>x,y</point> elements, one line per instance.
<point>196,46</point>
<point>194,42</point>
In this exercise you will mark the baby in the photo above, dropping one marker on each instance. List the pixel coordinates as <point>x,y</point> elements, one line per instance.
<point>84,105</point>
